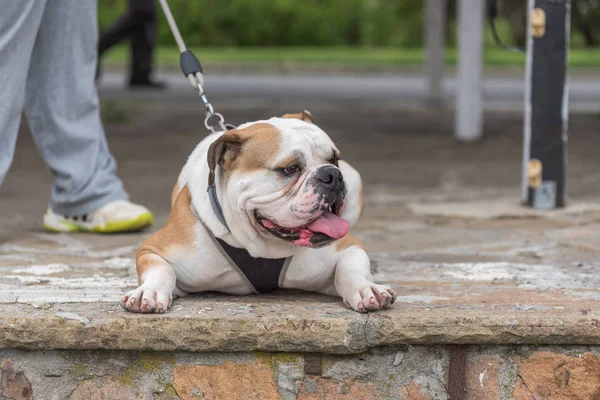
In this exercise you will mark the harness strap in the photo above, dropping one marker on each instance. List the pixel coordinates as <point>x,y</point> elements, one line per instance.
<point>263,274</point>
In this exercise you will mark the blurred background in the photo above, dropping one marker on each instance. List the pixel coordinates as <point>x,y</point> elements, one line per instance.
<point>360,67</point>
<point>337,33</point>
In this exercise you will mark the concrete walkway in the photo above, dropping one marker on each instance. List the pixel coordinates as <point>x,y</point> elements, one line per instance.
<point>442,224</point>
<point>502,279</point>
<point>503,91</point>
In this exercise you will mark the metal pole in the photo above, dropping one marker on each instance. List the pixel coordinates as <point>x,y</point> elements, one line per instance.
<point>435,39</point>
<point>546,104</point>
<point>469,90</point>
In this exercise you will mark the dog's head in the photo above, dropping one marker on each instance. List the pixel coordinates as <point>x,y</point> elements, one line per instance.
<point>282,179</point>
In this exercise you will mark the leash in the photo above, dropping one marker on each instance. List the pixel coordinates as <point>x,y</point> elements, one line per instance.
<point>263,274</point>
<point>192,69</point>
<point>214,121</point>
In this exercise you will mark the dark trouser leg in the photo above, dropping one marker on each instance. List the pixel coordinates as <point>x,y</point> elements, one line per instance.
<point>121,29</point>
<point>143,39</point>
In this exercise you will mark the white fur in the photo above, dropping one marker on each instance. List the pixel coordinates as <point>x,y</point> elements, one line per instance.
<point>202,267</point>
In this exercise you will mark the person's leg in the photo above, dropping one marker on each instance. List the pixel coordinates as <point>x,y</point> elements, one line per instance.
<point>63,112</point>
<point>143,40</point>
<point>19,22</point>
<point>121,29</point>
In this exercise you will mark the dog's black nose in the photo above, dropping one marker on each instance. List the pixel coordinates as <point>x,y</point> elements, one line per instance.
<point>331,177</point>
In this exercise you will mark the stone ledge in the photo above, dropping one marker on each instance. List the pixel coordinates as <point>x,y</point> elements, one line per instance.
<point>288,323</point>
<point>498,209</point>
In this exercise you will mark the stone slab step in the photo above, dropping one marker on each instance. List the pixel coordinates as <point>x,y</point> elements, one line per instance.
<point>291,322</point>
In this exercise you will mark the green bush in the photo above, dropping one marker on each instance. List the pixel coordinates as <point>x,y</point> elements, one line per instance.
<point>310,22</point>
<point>285,22</point>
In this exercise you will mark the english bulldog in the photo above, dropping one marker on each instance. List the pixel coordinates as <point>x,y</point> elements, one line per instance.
<point>279,194</point>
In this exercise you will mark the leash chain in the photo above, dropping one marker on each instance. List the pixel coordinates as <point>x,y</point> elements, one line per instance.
<point>213,121</point>
<point>192,69</point>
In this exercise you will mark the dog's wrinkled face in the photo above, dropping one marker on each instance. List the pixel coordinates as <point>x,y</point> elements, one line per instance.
<point>282,177</point>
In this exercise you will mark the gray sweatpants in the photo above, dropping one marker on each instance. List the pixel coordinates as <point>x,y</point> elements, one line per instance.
<point>47,65</point>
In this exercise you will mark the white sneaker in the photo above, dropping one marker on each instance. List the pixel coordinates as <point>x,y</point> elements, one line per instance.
<point>117,216</point>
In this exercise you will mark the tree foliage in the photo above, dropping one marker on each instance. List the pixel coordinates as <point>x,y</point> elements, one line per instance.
<point>329,22</point>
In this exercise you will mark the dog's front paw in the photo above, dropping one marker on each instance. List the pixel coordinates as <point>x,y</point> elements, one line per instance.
<point>371,297</point>
<point>147,300</point>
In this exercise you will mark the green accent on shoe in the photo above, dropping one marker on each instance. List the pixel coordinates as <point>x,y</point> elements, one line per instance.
<point>142,221</point>
<point>68,228</point>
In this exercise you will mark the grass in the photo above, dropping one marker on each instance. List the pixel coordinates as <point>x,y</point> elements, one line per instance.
<point>362,57</point>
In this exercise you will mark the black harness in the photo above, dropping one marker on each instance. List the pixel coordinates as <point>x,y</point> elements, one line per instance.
<point>264,274</point>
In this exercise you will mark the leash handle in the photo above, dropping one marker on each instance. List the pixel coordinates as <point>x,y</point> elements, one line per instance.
<point>192,69</point>
<point>173,25</point>
<point>189,63</point>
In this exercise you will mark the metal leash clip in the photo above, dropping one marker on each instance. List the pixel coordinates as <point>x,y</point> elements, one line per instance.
<point>192,70</point>
<point>213,121</point>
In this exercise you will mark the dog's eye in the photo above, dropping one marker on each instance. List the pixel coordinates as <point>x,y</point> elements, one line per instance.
<point>335,158</point>
<point>291,170</point>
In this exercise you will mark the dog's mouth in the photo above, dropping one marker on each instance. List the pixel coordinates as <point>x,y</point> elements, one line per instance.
<point>321,231</point>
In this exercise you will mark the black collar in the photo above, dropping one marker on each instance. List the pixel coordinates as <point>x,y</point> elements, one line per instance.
<point>212,192</point>
<point>216,206</point>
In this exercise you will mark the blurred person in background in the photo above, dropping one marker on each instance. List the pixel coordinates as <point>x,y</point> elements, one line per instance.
<point>48,60</point>
<point>139,25</point>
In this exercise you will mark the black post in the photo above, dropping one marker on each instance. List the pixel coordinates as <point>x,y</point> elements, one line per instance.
<point>546,104</point>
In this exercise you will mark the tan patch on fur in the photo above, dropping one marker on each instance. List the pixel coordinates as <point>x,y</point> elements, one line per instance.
<point>174,193</point>
<point>248,149</point>
<point>179,230</point>
<point>361,199</point>
<point>348,241</point>
<point>286,162</point>
<point>259,150</point>
<point>305,115</point>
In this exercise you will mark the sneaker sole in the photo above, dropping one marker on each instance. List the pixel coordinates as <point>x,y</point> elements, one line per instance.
<point>142,221</point>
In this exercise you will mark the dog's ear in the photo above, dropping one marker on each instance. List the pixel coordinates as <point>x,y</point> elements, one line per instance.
<point>223,151</point>
<point>305,115</point>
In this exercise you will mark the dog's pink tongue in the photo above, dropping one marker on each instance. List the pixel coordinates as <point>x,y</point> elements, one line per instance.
<point>331,225</point>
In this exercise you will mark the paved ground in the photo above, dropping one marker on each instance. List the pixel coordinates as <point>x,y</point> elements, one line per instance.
<point>442,223</point>
<point>503,91</point>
